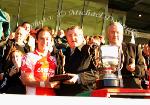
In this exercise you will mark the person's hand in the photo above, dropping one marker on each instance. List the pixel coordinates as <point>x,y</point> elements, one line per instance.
<point>55,84</point>
<point>1,76</point>
<point>131,67</point>
<point>73,80</point>
<point>59,41</point>
<point>13,71</point>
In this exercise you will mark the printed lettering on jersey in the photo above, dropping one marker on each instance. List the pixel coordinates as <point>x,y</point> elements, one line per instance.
<point>42,67</point>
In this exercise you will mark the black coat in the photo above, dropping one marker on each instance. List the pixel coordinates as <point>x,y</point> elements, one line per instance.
<point>13,84</point>
<point>72,64</point>
<point>132,79</point>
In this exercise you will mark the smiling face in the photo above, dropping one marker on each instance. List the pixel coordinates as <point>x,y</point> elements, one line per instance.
<point>44,41</point>
<point>16,58</point>
<point>115,34</point>
<point>20,34</point>
<point>27,27</point>
<point>75,37</point>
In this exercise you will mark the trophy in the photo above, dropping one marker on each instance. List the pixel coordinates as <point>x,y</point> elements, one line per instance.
<point>110,62</point>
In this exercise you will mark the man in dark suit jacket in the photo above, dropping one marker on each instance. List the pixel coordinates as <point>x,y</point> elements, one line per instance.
<point>131,62</point>
<point>133,70</point>
<point>73,58</point>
